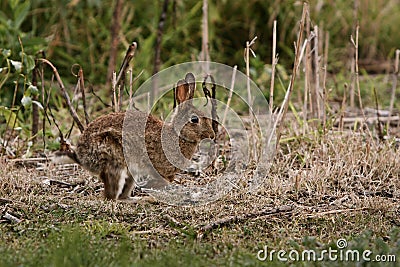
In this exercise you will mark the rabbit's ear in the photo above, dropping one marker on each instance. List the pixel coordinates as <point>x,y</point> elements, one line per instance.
<point>191,80</point>
<point>182,91</point>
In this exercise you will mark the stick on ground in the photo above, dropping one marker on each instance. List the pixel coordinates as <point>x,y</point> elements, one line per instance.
<point>242,217</point>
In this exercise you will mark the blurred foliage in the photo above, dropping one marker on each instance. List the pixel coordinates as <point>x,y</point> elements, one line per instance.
<point>79,31</point>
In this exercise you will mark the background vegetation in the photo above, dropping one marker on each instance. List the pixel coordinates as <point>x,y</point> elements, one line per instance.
<point>340,180</point>
<point>71,32</point>
<point>80,32</point>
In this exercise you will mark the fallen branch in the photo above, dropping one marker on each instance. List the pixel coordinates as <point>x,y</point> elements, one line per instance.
<point>329,212</point>
<point>150,231</point>
<point>242,217</point>
<point>172,220</point>
<point>11,218</point>
<point>4,201</point>
<point>57,182</point>
<point>29,160</point>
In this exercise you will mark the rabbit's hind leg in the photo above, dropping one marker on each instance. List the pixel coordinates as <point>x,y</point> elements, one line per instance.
<point>128,186</point>
<point>127,191</point>
<point>114,181</point>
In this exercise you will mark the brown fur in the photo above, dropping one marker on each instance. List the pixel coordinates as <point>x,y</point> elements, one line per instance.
<point>100,147</point>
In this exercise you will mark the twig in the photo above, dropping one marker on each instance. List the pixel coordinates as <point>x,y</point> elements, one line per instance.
<point>114,93</point>
<point>324,99</point>
<point>357,78</point>
<point>380,130</point>
<point>28,160</point>
<point>316,74</point>
<point>249,97</point>
<point>82,87</point>
<point>118,83</point>
<point>120,79</point>
<point>172,220</point>
<point>230,94</point>
<point>356,5</point>
<point>325,94</point>
<point>98,97</point>
<point>57,182</point>
<point>352,84</point>
<point>211,95</point>
<point>11,218</point>
<point>35,108</point>
<point>71,109</point>
<point>160,30</point>
<point>308,69</point>
<point>326,48</point>
<point>130,88</point>
<point>5,200</point>
<point>299,55</point>
<point>395,78</point>
<point>205,55</point>
<point>45,104</point>
<point>369,120</point>
<point>146,231</point>
<point>343,108</point>
<point>115,40</point>
<point>241,217</point>
<point>356,68</point>
<point>329,212</point>
<point>130,53</point>
<point>273,66</point>
<point>306,93</point>
<point>157,57</point>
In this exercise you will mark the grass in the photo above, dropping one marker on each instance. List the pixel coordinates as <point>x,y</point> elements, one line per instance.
<point>339,186</point>
<point>338,183</point>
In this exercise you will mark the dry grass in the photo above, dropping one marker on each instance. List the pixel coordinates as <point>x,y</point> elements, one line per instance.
<point>337,185</point>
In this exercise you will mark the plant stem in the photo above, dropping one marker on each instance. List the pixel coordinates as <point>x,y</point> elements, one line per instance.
<point>157,57</point>
<point>115,29</point>
<point>273,66</point>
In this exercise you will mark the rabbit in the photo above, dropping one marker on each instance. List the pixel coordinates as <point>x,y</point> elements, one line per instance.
<point>100,146</point>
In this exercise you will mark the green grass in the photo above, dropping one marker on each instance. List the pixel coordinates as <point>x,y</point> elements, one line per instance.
<point>340,185</point>
<point>73,245</point>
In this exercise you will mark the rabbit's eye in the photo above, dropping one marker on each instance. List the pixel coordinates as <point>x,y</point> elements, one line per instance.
<point>194,119</point>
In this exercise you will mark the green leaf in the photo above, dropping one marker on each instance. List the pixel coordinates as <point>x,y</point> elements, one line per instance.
<point>17,65</point>
<point>13,4</point>
<point>6,52</point>
<point>26,101</point>
<point>30,41</point>
<point>20,14</point>
<point>29,62</point>
<point>9,116</point>
<point>3,18</point>
<point>32,90</point>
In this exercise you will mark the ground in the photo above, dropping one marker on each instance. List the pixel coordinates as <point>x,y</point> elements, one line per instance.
<point>321,188</point>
